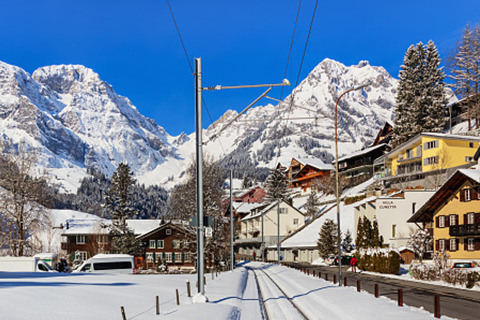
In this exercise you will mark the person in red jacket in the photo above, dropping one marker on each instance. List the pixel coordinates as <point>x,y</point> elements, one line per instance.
<point>353,263</point>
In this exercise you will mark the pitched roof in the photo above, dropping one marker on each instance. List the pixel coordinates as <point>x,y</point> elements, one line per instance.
<point>361,152</point>
<point>455,181</point>
<point>266,209</point>
<point>314,162</point>
<point>179,227</point>
<point>100,225</point>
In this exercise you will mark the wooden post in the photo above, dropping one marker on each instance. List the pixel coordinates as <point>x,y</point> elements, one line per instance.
<point>213,272</point>
<point>158,306</point>
<point>334,279</point>
<point>345,281</point>
<point>308,272</point>
<point>189,294</point>
<point>313,272</point>
<point>124,316</point>
<point>400,297</point>
<point>319,274</point>
<point>178,297</point>
<point>326,276</point>
<point>376,290</point>
<point>358,285</point>
<point>205,280</point>
<point>436,308</point>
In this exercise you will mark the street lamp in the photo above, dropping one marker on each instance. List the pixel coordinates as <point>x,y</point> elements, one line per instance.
<point>337,183</point>
<point>199,165</point>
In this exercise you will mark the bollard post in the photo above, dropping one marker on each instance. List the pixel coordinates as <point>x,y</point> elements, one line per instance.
<point>319,274</point>
<point>178,297</point>
<point>313,273</point>
<point>124,316</point>
<point>376,290</point>
<point>158,306</point>
<point>189,294</point>
<point>345,281</point>
<point>205,280</point>
<point>326,276</point>
<point>212,274</point>
<point>334,279</point>
<point>358,285</point>
<point>436,312</point>
<point>308,272</point>
<point>400,297</point>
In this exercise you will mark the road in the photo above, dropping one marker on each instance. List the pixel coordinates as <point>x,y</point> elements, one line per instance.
<point>457,303</point>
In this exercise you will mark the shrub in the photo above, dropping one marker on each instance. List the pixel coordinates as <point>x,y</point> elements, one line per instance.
<point>454,276</point>
<point>380,261</point>
<point>427,272</point>
<point>472,279</point>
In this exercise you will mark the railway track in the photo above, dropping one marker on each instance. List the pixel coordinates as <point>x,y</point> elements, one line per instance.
<point>275,303</point>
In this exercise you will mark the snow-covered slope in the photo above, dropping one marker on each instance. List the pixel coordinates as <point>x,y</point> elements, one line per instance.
<point>77,120</point>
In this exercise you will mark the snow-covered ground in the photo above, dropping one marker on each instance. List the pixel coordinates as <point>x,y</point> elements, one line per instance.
<point>232,295</point>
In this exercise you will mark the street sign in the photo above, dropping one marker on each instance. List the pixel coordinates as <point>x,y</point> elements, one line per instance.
<point>207,221</point>
<point>208,232</point>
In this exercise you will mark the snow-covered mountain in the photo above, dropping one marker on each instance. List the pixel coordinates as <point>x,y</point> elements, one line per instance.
<point>77,120</point>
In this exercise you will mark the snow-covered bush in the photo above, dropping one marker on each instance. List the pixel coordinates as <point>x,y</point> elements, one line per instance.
<point>378,260</point>
<point>473,278</point>
<point>454,276</point>
<point>429,272</point>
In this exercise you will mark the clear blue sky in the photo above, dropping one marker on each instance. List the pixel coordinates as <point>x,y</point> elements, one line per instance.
<point>133,45</point>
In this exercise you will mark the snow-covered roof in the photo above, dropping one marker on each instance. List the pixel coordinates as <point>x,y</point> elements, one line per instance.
<point>364,201</point>
<point>314,162</point>
<point>472,174</point>
<point>253,215</point>
<point>246,207</point>
<point>360,152</point>
<point>99,226</point>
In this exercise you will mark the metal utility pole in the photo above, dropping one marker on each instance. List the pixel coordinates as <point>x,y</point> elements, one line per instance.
<point>262,246</point>
<point>199,142</point>
<point>232,257</point>
<point>278,231</point>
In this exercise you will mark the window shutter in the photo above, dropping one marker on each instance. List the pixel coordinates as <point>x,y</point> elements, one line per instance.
<point>163,255</point>
<point>437,224</point>
<point>456,219</point>
<point>477,244</point>
<point>462,195</point>
<point>477,217</point>
<point>457,244</point>
<point>465,218</point>
<point>447,221</point>
<point>154,255</point>
<point>86,239</point>
<point>74,239</point>
<point>183,257</point>
<point>474,194</point>
<point>173,256</point>
<point>437,245</point>
<point>465,244</point>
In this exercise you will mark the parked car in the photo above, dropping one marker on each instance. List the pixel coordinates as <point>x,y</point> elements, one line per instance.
<point>330,259</point>
<point>345,260</point>
<point>463,264</point>
<point>108,263</point>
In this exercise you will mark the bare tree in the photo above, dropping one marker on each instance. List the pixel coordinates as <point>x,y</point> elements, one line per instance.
<point>22,194</point>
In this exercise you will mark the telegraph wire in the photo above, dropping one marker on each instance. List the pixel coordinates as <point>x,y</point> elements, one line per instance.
<point>190,66</point>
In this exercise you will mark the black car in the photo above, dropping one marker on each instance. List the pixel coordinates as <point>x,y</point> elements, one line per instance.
<point>345,260</point>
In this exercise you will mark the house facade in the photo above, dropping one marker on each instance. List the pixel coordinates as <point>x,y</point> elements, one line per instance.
<point>250,234</point>
<point>254,195</point>
<point>171,245</point>
<point>426,160</point>
<point>452,215</point>
<point>303,172</point>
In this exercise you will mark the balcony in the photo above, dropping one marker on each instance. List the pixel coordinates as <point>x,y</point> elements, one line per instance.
<point>464,230</point>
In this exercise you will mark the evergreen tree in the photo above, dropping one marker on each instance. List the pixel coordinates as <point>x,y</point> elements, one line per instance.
<point>276,186</point>
<point>311,207</point>
<point>420,101</point>
<point>375,240</point>
<point>118,208</point>
<point>364,234</point>
<point>359,243</point>
<point>347,241</point>
<point>327,240</point>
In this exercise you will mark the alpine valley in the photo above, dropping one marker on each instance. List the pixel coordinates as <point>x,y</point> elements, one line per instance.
<point>77,121</point>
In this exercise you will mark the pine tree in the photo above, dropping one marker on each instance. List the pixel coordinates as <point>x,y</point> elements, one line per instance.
<point>276,186</point>
<point>347,242</point>
<point>311,207</point>
<point>375,240</point>
<point>327,240</point>
<point>420,101</point>
<point>118,208</point>
<point>359,243</point>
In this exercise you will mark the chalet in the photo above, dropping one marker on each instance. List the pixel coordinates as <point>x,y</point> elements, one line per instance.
<point>250,238</point>
<point>90,236</point>
<point>303,172</point>
<point>426,160</point>
<point>172,245</point>
<point>452,215</point>
<point>253,195</point>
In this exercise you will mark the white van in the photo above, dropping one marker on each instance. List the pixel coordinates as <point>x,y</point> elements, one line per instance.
<point>108,263</point>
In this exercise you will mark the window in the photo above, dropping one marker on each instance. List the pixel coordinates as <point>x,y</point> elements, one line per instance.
<point>160,244</point>
<point>81,239</point>
<point>467,193</point>
<point>152,244</point>
<point>168,232</point>
<point>471,244</point>
<point>470,218</point>
<point>176,244</point>
<point>413,207</point>
<point>188,257</point>
<point>342,165</point>
<point>82,255</point>
<point>453,244</point>
<point>86,267</point>
<point>295,221</point>
<point>468,159</point>
<point>471,145</point>
<point>394,230</point>
<point>283,210</point>
<point>149,256</point>
<point>453,219</point>
<point>441,245</point>
<point>168,256</point>
<point>430,160</point>
<point>441,222</point>
<point>178,257</point>
<point>113,265</point>
<point>103,238</point>
<point>419,151</point>
<point>409,153</point>
<point>430,145</point>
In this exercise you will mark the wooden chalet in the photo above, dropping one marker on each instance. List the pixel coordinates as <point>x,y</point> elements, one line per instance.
<point>303,172</point>
<point>253,195</point>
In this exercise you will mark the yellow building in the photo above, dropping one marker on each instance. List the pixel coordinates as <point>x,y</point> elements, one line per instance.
<point>428,159</point>
<point>452,215</point>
